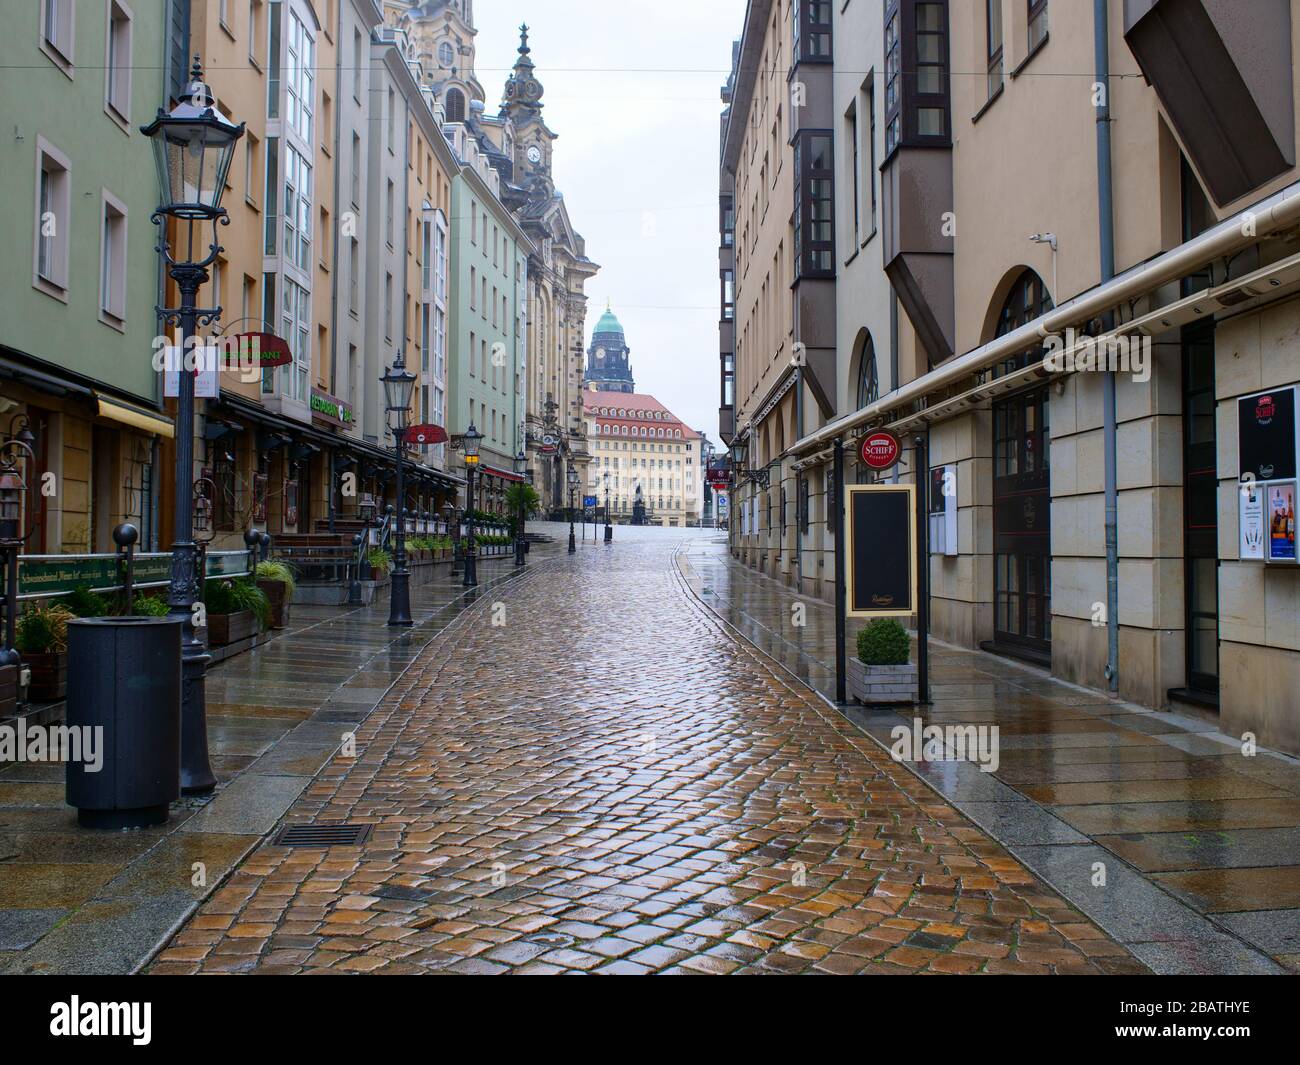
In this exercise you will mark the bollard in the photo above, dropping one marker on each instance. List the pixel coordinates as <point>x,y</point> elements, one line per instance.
<point>125,536</point>
<point>252,540</point>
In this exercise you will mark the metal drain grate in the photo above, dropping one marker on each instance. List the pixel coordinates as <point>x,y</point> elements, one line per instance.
<point>326,834</point>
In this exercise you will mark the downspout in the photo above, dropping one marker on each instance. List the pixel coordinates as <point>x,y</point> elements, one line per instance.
<point>798,495</point>
<point>1106,232</point>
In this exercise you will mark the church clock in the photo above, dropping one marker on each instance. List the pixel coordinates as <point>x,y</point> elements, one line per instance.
<point>534,154</point>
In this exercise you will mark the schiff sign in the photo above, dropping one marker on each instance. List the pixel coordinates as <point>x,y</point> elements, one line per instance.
<point>879,449</point>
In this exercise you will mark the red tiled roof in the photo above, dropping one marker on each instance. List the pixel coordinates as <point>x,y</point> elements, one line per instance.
<point>632,403</point>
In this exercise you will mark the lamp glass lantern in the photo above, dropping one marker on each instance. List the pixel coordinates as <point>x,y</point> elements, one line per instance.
<point>399,387</point>
<point>573,477</point>
<point>194,145</point>
<point>521,464</point>
<point>471,441</point>
<point>12,488</point>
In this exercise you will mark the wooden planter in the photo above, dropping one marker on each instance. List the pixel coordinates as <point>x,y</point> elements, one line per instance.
<point>8,691</point>
<point>49,676</point>
<point>277,592</point>
<point>226,629</point>
<point>874,685</point>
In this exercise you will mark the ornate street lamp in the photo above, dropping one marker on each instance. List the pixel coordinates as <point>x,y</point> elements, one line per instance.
<point>609,528</point>
<point>573,487</point>
<point>399,386</point>
<point>193,148</point>
<point>469,443</point>
<point>521,468</point>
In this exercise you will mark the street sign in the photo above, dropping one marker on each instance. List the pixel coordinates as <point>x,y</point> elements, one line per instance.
<point>881,562</point>
<point>879,449</point>
<point>588,501</point>
<point>424,435</point>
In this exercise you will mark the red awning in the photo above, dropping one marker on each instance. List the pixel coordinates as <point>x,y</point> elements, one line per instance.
<point>506,475</point>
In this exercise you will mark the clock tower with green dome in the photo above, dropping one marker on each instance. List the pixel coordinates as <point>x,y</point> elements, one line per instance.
<point>608,366</point>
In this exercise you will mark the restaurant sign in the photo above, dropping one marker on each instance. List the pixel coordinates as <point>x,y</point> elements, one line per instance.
<point>331,408</point>
<point>44,575</point>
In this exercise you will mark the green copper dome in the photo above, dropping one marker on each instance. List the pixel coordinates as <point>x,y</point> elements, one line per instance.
<point>608,323</point>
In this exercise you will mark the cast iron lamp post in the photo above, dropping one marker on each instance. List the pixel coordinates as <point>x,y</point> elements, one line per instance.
<point>453,530</point>
<point>193,147</point>
<point>609,527</point>
<point>573,487</point>
<point>470,442</point>
<point>399,385</point>
<point>521,468</point>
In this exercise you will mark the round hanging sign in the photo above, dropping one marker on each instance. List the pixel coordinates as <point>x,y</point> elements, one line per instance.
<point>880,449</point>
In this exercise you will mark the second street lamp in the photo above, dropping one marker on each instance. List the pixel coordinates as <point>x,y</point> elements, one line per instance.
<point>399,386</point>
<point>609,528</point>
<point>521,468</point>
<point>573,487</point>
<point>193,147</point>
<point>470,442</point>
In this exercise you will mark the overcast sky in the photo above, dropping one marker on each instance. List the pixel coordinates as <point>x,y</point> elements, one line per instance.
<point>632,90</point>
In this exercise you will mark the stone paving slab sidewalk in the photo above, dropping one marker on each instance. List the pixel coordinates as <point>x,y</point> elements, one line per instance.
<point>75,900</point>
<point>1201,845</point>
<point>611,781</point>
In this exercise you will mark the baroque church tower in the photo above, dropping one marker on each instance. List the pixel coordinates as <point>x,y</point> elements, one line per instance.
<point>608,367</point>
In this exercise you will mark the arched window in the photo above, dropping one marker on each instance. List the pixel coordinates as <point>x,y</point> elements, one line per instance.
<point>454,105</point>
<point>1027,300</point>
<point>868,380</point>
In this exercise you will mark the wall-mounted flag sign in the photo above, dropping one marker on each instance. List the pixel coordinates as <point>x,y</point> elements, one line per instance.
<point>880,573</point>
<point>879,449</point>
<point>263,350</point>
<point>426,435</point>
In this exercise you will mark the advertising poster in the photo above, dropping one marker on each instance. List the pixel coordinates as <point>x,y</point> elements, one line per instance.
<point>1281,522</point>
<point>1251,522</point>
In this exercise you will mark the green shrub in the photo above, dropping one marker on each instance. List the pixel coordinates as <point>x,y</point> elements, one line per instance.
<point>248,596</point>
<point>42,630</point>
<point>380,561</point>
<point>884,642</point>
<point>84,603</point>
<point>149,606</point>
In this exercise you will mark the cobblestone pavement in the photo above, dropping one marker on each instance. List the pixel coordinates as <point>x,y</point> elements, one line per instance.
<point>610,781</point>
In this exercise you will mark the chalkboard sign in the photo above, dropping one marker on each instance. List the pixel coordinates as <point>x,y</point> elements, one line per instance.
<point>1266,434</point>
<point>881,550</point>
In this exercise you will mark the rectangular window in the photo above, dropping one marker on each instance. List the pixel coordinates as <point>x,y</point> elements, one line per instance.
<point>814,213</point>
<point>356,171</point>
<point>389,198</point>
<point>994,23</point>
<point>354,274</point>
<point>53,207</point>
<point>426,248</point>
<point>931,70</point>
<point>254,32</point>
<point>871,144</point>
<point>273,65</point>
<point>812,30</point>
<point>296,330</point>
<point>728,296</point>
<point>300,78</point>
<point>57,20</point>
<point>269,315</point>
<point>893,79</point>
<point>357,60</point>
<point>272,192</point>
<point>297,209</point>
<point>112,260</point>
<point>851,135</point>
<point>117,77</point>
<point>1037,23</point>
<point>388,306</point>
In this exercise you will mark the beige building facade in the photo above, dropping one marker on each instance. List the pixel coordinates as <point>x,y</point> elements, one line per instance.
<point>1005,246</point>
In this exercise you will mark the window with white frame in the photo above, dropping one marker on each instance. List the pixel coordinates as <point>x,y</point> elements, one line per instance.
<point>117,62</point>
<point>112,260</point>
<point>297,208</point>
<point>57,20</point>
<point>296,329</point>
<point>299,77</point>
<point>53,207</point>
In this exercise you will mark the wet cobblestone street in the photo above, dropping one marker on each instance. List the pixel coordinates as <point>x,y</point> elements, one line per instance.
<point>608,780</point>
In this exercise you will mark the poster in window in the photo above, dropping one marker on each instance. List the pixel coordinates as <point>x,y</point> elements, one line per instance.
<point>881,562</point>
<point>1251,521</point>
<point>259,496</point>
<point>1281,522</point>
<point>1266,434</point>
<point>290,503</point>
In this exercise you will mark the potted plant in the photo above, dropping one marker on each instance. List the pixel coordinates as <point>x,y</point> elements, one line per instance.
<point>236,610</point>
<point>380,562</point>
<point>883,671</point>
<point>150,606</point>
<point>276,579</point>
<point>84,603</point>
<point>41,636</point>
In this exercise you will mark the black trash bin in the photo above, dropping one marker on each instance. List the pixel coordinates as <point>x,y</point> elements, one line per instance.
<point>124,677</point>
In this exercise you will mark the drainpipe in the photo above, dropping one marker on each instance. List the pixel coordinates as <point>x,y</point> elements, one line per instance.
<point>798,478</point>
<point>1106,227</point>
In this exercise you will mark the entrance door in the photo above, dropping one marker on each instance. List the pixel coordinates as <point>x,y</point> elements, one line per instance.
<point>1200,512</point>
<point>1022,542</point>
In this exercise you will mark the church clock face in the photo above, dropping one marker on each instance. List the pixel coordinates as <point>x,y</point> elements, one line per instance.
<point>534,155</point>
<point>600,354</point>
<point>445,54</point>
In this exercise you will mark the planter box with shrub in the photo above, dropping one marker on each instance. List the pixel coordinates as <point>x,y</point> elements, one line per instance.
<point>236,610</point>
<point>883,671</point>
<point>41,635</point>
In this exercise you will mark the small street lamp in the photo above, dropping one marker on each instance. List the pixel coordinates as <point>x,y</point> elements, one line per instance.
<point>609,527</point>
<point>453,530</point>
<point>573,487</point>
<point>470,443</point>
<point>521,468</point>
<point>399,385</point>
<point>193,148</point>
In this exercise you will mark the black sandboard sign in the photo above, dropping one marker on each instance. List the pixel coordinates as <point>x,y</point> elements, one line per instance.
<point>881,577</point>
